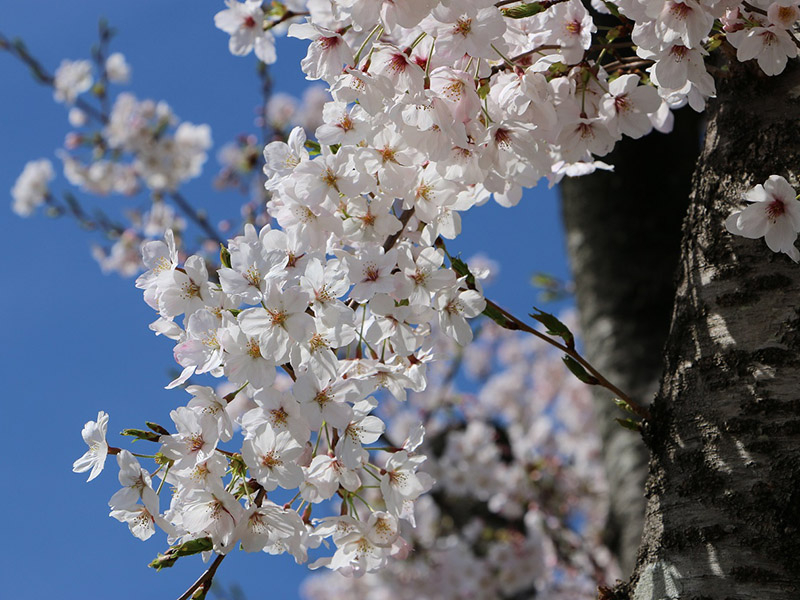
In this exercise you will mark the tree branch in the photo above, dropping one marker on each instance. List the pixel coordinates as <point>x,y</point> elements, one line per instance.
<point>204,580</point>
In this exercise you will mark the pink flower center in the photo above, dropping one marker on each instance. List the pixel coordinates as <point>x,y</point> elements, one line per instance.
<point>680,10</point>
<point>768,38</point>
<point>776,209</point>
<point>622,104</point>
<point>249,22</point>
<point>574,27</point>
<point>678,52</point>
<point>398,62</point>
<point>371,272</point>
<point>328,43</point>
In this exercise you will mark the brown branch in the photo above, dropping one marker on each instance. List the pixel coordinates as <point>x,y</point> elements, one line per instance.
<point>17,49</point>
<point>204,580</point>
<point>196,216</point>
<point>525,54</point>
<point>392,239</point>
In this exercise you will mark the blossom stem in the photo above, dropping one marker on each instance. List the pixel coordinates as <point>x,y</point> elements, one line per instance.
<point>517,324</point>
<point>357,57</point>
<point>163,479</point>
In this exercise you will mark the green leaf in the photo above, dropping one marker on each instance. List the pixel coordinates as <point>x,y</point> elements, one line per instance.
<point>714,43</point>
<point>224,256</point>
<point>157,428</point>
<point>629,424</point>
<point>141,434</point>
<point>577,369</point>
<point>462,270</point>
<point>495,315</point>
<point>623,405</point>
<point>612,8</point>
<point>313,147</point>
<point>554,327</point>
<point>166,560</point>
<point>524,10</point>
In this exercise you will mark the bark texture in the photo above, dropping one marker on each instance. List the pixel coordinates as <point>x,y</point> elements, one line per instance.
<point>723,493</point>
<point>623,236</point>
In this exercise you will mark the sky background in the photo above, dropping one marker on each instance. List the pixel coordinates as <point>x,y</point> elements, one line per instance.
<point>79,340</point>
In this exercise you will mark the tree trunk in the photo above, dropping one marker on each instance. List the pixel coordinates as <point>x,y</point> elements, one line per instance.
<point>723,493</point>
<point>623,236</point>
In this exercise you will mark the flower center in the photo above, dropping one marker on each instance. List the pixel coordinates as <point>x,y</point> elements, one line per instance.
<point>253,349</point>
<point>775,209</point>
<point>574,27</point>
<point>463,26</point>
<point>269,460</point>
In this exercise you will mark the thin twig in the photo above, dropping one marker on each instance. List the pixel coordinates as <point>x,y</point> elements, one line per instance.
<point>19,51</point>
<point>196,216</point>
<point>571,352</point>
<point>518,57</point>
<point>204,580</point>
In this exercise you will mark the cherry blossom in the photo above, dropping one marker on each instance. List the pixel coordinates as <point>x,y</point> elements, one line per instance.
<point>94,434</point>
<point>774,215</point>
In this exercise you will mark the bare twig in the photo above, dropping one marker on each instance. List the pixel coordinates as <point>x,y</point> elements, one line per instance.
<point>204,580</point>
<point>196,216</point>
<point>17,49</point>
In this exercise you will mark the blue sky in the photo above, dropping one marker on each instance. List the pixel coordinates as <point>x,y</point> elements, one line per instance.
<point>79,341</point>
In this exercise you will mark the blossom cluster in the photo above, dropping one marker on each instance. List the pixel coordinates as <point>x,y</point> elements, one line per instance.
<point>517,465</point>
<point>436,107</point>
<point>342,300</point>
<point>502,94</point>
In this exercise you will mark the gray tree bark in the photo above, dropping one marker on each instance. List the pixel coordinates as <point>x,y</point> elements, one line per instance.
<point>723,507</point>
<point>623,235</point>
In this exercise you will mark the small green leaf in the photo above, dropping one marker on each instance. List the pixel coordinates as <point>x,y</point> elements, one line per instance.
<point>224,256</point>
<point>577,369</point>
<point>623,405</point>
<point>612,8</point>
<point>157,428</point>
<point>495,315</point>
<point>524,10</point>
<point>166,560</point>
<point>629,424</point>
<point>141,434</point>
<point>714,43</point>
<point>313,147</point>
<point>462,270</point>
<point>554,326</point>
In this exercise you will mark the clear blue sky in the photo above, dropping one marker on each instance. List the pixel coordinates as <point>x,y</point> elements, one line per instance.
<point>79,341</point>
